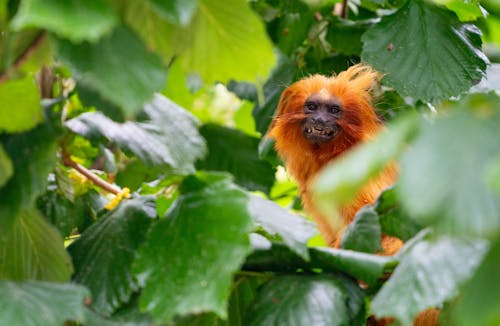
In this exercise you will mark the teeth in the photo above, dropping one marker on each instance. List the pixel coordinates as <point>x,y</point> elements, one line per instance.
<point>319,131</point>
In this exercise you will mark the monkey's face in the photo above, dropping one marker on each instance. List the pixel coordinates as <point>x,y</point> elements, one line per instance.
<point>322,112</point>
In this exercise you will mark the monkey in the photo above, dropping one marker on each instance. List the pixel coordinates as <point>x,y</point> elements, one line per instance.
<point>319,119</point>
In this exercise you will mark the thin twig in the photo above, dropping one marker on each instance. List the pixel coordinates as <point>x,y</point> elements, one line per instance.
<point>37,41</point>
<point>345,9</point>
<point>87,173</point>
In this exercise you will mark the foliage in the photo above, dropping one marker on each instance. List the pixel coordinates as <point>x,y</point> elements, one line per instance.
<point>172,100</point>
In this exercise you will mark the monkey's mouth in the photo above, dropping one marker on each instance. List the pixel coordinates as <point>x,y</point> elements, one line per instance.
<point>319,133</point>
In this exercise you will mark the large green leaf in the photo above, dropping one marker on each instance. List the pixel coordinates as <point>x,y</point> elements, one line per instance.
<point>227,33</point>
<point>119,67</point>
<point>169,138</point>
<point>189,258</point>
<point>103,254</point>
<point>364,232</point>
<point>77,20</point>
<point>33,249</point>
<point>308,300</point>
<point>276,257</point>
<point>294,230</point>
<point>443,175</point>
<point>20,108</point>
<point>479,303</point>
<point>176,11</point>
<point>343,178</point>
<point>6,168</point>
<point>41,303</point>
<point>33,155</point>
<point>425,51</point>
<point>429,273</point>
<point>235,152</point>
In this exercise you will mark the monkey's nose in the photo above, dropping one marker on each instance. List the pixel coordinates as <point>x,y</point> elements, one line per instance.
<point>319,121</point>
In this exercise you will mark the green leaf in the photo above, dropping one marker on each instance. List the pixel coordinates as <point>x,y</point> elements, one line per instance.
<point>33,155</point>
<point>103,254</point>
<point>77,20</point>
<point>374,5</point>
<point>228,34</point>
<point>244,121</point>
<point>33,249</point>
<point>342,179</point>
<point>466,10</point>
<point>244,291</point>
<point>345,35</point>
<point>364,232</point>
<point>294,230</point>
<point>208,224</point>
<point>119,67</point>
<point>415,285</point>
<point>19,105</point>
<point>308,300</point>
<point>492,174</point>
<point>366,267</point>
<point>94,319</point>
<point>61,212</point>
<point>277,257</point>
<point>6,168</point>
<point>291,28</point>
<point>453,194</point>
<point>169,138</point>
<point>177,12</point>
<point>393,219</point>
<point>235,152</point>
<point>234,34</point>
<point>242,295</point>
<point>479,303</point>
<point>443,58</point>
<point>41,303</point>
<point>202,319</point>
<point>281,77</point>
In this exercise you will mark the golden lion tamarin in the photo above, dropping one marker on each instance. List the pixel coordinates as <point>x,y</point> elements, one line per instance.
<point>318,119</point>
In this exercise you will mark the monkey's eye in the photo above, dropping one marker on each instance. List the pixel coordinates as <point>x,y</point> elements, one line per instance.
<point>334,109</point>
<point>311,106</point>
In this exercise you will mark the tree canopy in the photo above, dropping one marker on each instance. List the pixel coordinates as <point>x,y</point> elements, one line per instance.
<point>137,186</point>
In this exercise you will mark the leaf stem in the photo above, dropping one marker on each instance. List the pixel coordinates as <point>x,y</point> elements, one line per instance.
<point>66,158</point>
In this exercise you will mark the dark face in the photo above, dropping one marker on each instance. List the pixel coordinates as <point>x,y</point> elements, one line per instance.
<point>322,113</point>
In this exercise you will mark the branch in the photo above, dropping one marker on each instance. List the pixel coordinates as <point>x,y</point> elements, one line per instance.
<point>87,173</point>
<point>345,9</point>
<point>35,44</point>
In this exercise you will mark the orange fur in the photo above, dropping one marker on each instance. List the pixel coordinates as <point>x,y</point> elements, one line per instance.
<point>359,123</point>
<point>304,160</point>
